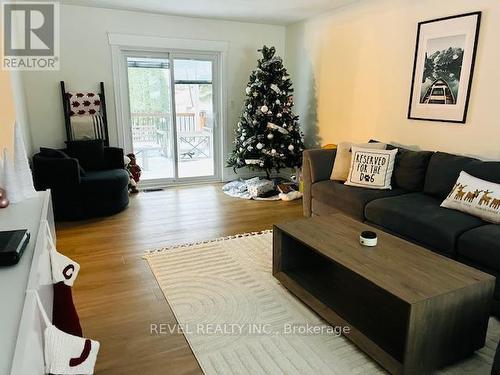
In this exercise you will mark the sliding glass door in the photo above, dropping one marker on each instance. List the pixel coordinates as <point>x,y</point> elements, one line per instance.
<point>194,113</point>
<point>173,101</point>
<point>151,123</point>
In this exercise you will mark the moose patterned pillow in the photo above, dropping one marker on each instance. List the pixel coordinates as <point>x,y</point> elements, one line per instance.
<point>371,168</point>
<point>476,197</point>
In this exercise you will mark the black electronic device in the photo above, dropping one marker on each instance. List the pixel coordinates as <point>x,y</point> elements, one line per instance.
<point>12,245</point>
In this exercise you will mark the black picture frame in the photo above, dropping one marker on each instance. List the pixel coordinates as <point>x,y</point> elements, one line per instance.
<point>463,119</point>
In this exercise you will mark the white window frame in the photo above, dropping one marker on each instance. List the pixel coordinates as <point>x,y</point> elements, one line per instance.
<point>124,44</point>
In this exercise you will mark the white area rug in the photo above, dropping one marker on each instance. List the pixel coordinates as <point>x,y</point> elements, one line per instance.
<point>234,315</point>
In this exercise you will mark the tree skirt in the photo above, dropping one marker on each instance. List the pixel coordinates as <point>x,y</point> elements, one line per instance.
<point>237,317</point>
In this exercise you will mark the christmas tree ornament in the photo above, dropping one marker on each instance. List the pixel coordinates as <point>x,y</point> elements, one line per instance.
<point>280,129</point>
<point>264,109</point>
<point>255,94</point>
<point>4,202</point>
<point>260,146</point>
<point>248,90</point>
<point>273,151</point>
<point>279,115</point>
<point>291,147</point>
<point>270,136</point>
<point>278,101</point>
<point>242,138</point>
<point>275,88</point>
<point>249,140</point>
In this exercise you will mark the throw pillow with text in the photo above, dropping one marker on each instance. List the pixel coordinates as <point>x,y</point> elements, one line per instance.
<point>371,168</point>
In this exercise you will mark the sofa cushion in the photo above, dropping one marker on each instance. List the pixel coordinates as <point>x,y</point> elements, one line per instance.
<point>475,197</point>
<point>443,171</point>
<point>58,154</point>
<point>371,168</point>
<point>342,164</point>
<point>485,170</point>
<point>348,199</point>
<point>90,153</point>
<point>419,217</point>
<point>53,153</point>
<point>481,246</point>
<point>410,169</point>
<point>105,181</point>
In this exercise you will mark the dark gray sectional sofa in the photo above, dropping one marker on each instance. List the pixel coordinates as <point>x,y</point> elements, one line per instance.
<point>421,181</point>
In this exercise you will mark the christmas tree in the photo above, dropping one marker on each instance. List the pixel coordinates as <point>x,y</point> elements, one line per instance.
<point>268,135</point>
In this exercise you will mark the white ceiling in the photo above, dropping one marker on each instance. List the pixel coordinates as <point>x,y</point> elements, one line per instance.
<point>261,11</point>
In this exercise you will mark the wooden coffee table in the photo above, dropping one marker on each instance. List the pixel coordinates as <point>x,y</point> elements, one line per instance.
<point>408,308</point>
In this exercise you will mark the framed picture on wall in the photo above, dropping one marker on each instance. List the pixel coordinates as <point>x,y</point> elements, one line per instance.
<point>445,54</point>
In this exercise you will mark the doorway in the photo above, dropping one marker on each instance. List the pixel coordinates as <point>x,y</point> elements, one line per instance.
<point>173,106</point>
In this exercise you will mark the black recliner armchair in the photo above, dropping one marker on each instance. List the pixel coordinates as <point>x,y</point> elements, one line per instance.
<point>86,179</point>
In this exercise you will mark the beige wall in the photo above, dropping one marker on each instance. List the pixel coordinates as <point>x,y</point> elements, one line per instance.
<point>12,109</point>
<point>7,112</point>
<point>352,71</point>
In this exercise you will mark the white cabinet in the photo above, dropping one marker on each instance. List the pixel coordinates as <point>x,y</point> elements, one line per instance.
<point>21,324</point>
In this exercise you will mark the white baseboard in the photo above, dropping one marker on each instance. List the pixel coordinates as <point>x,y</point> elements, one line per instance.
<point>228,177</point>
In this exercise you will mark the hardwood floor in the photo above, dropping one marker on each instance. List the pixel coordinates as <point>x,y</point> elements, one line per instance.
<point>117,296</point>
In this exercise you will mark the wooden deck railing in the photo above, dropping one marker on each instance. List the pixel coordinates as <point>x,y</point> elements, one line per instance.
<point>153,130</point>
<point>146,126</point>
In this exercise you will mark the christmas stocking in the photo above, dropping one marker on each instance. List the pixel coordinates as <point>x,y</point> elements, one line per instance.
<point>68,354</point>
<point>64,353</point>
<point>63,268</point>
<point>64,315</point>
<point>64,273</point>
